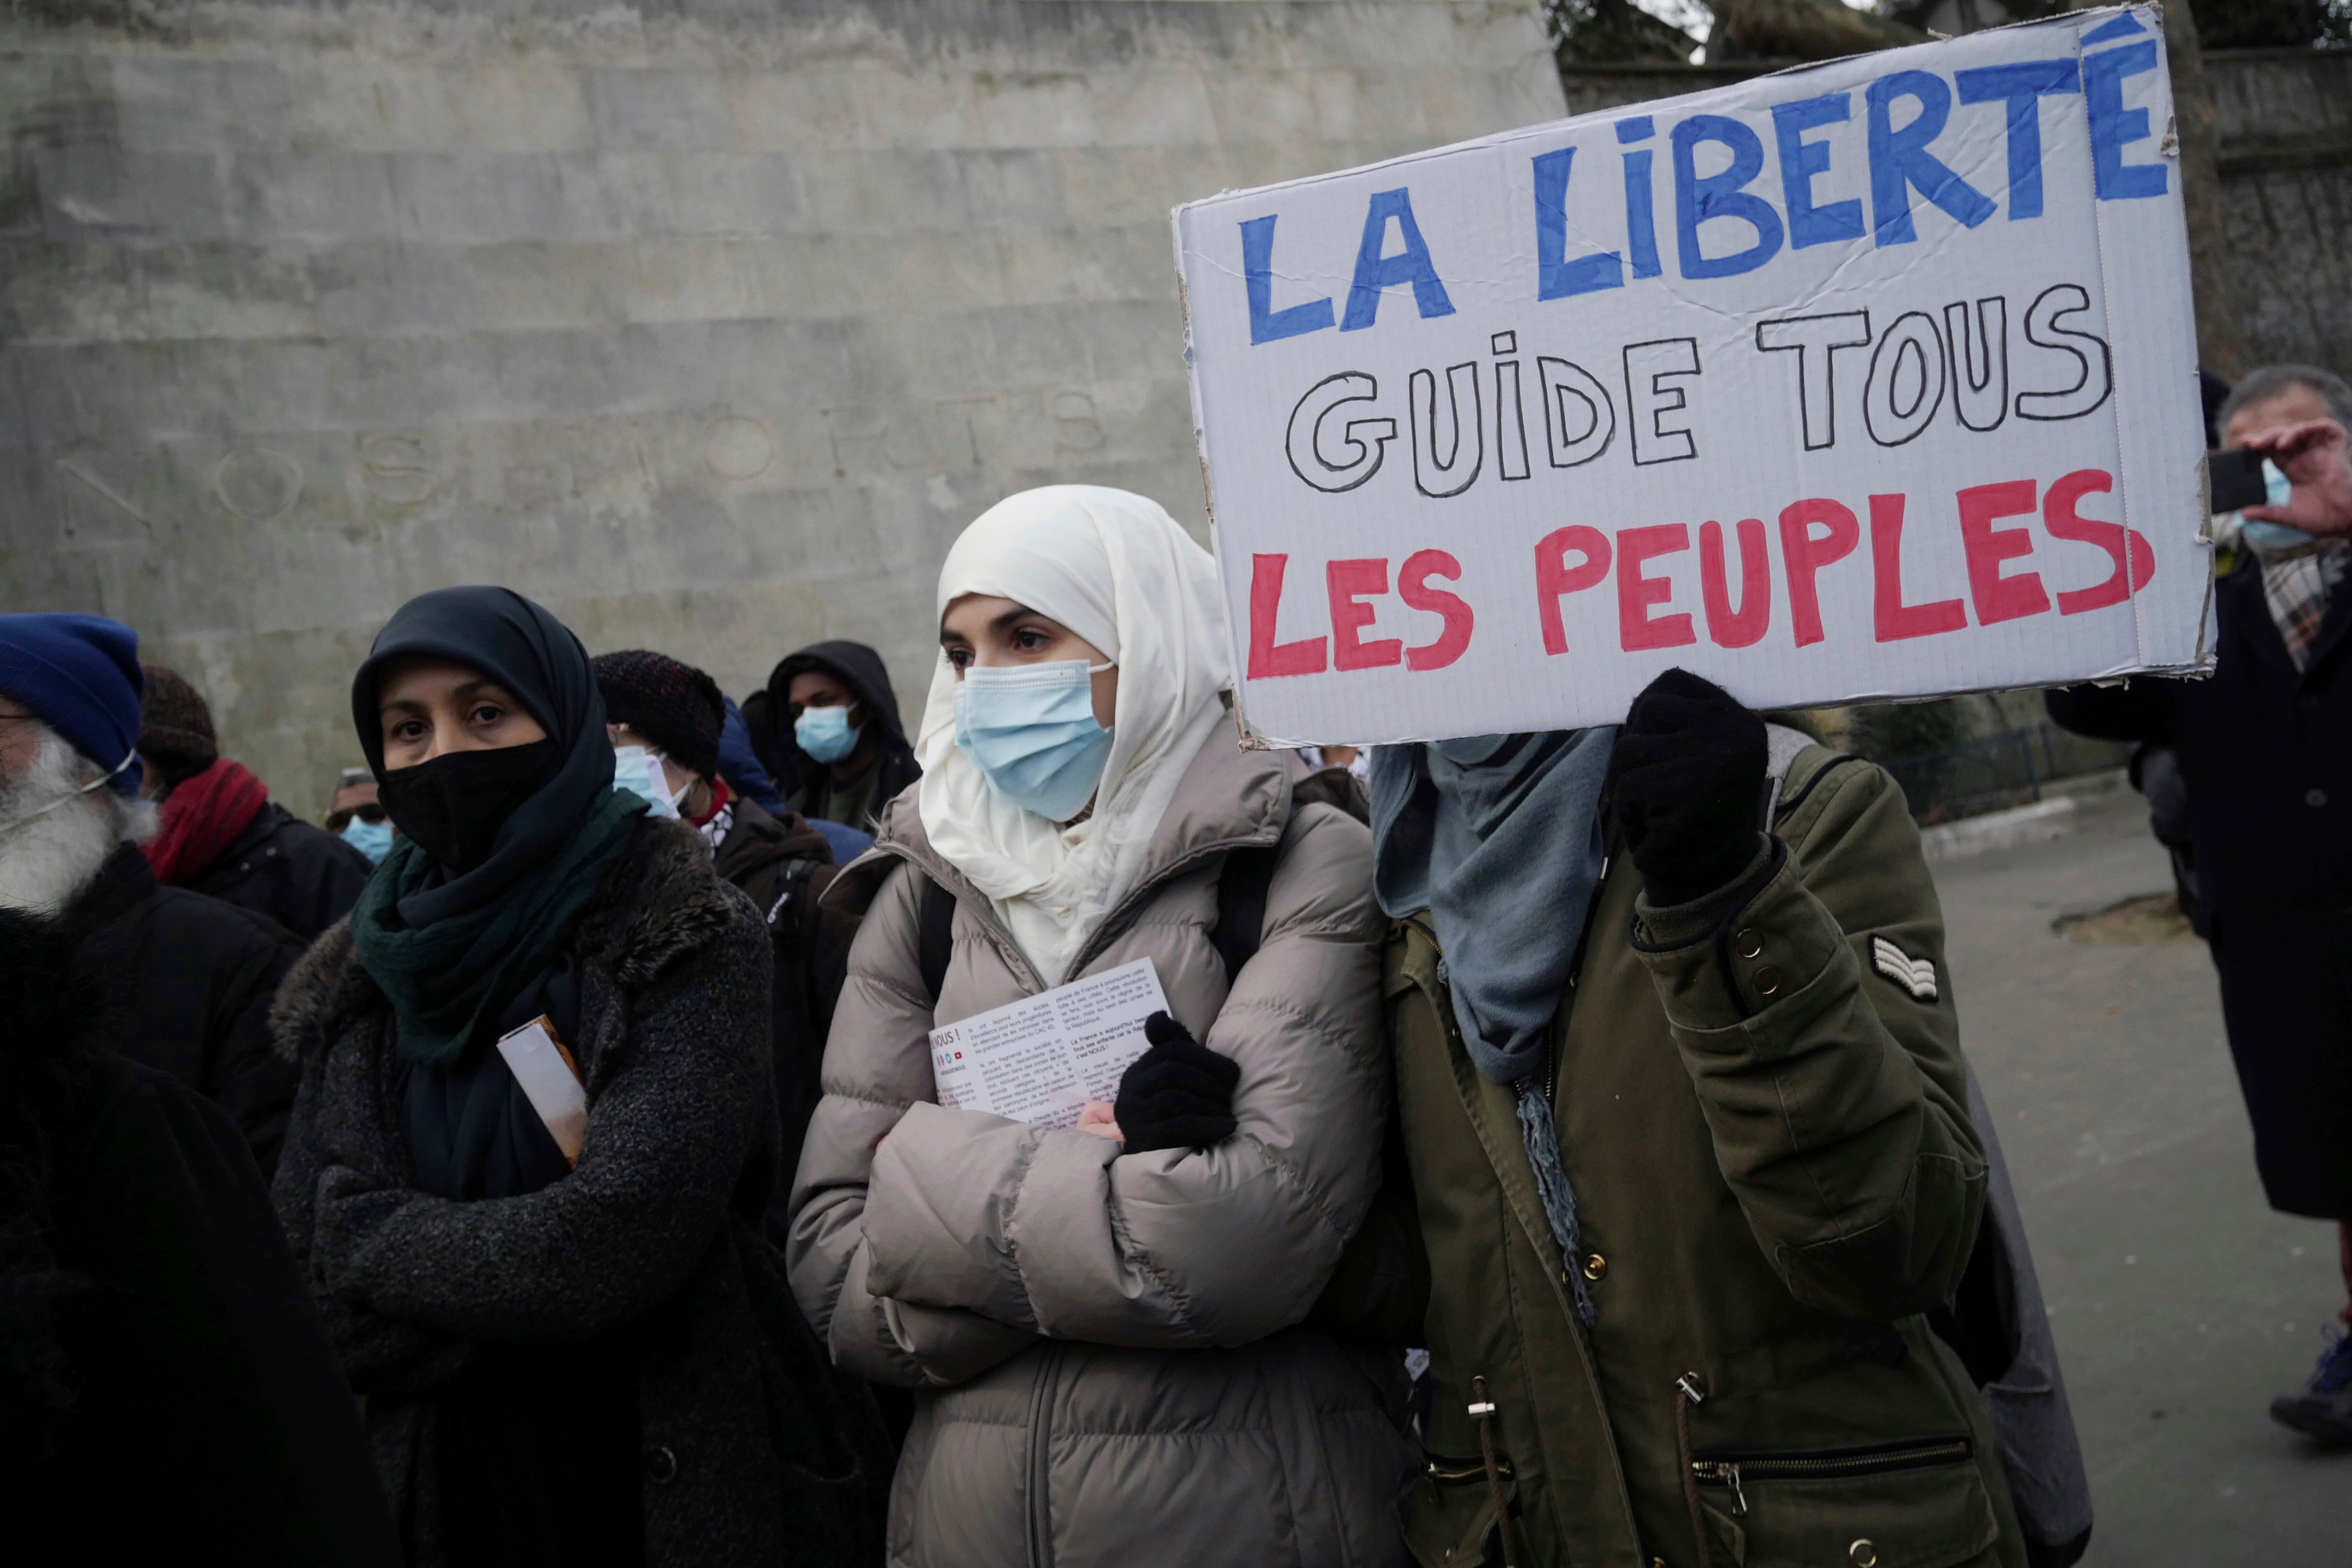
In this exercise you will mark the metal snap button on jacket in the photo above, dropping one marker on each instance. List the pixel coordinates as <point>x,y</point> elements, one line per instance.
<point>1596,1267</point>
<point>661,1465</point>
<point>1768,981</point>
<point>1864,1554</point>
<point>1749,943</point>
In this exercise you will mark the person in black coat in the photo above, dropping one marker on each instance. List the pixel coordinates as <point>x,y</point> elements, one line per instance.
<point>782,863</point>
<point>190,981</point>
<point>827,728</point>
<point>167,1392</point>
<point>574,1341</point>
<point>188,978</point>
<point>2265,747</point>
<point>220,833</point>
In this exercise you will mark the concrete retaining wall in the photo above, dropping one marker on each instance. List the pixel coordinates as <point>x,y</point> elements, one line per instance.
<point>2285,120</point>
<point>707,323</point>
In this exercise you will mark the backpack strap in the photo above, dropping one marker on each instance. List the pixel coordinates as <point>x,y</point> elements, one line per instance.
<point>935,937</point>
<point>1248,873</point>
<point>1241,906</point>
<point>794,908</point>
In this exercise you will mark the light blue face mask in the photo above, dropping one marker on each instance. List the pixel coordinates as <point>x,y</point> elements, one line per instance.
<point>2272,536</point>
<point>372,840</point>
<point>1031,730</point>
<point>639,771</point>
<point>825,733</point>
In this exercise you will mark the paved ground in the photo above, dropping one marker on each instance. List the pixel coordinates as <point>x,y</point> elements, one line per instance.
<point>2180,1302</point>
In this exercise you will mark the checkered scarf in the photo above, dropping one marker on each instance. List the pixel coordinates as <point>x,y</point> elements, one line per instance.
<point>2297,586</point>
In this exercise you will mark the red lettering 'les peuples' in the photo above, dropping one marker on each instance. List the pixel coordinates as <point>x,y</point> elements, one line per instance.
<point>1815,535</point>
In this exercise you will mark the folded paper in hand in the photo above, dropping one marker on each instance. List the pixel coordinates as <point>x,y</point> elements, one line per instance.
<point>1041,1059</point>
<point>549,1081</point>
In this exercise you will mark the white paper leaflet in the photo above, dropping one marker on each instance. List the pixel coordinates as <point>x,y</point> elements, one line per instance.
<point>1040,1059</point>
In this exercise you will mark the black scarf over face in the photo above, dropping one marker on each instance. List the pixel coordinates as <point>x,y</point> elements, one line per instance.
<point>465,925</point>
<point>525,649</point>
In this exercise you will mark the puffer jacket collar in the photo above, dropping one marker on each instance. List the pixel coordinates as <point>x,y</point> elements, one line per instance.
<point>659,901</point>
<point>1230,798</point>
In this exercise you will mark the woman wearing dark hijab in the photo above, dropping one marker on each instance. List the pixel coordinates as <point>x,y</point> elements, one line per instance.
<point>582,1357</point>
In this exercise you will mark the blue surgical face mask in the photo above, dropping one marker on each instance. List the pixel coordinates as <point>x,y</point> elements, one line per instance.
<point>2272,536</point>
<point>639,771</point>
<point>372,840</point>
<point>825,733</point>
<point>1031,730</point>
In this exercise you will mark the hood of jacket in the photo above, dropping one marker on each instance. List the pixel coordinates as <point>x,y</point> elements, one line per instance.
<point>860,669</point>
<point>658,902</point>
<point>856,665</point>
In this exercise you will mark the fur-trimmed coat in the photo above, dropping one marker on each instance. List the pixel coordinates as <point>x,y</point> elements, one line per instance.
<point>754,1450</point>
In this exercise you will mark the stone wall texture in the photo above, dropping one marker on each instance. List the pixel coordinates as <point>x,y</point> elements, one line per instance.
<point>2285,120</point>
<point>706,323</point>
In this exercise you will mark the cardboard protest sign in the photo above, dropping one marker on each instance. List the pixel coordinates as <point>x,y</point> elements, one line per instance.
<point>1873,378</point>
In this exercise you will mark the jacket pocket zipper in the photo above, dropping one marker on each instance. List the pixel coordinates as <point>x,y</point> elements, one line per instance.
<point>1041,1513</point>
<point>1447,1471</point>
<point>1731,1469</point>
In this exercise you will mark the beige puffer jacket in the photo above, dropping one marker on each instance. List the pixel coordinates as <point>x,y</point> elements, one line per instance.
<point>1105,1344</point>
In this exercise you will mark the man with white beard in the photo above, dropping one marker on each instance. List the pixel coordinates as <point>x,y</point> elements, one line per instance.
<point>188,979</point>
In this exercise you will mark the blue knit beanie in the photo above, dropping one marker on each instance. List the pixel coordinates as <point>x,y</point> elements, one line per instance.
<point>81,675</point>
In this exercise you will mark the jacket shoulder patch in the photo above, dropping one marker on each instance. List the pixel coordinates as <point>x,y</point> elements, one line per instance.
<point>1916,975</point>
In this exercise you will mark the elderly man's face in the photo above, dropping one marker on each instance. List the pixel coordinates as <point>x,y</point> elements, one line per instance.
<point>20,738</point>
<point>2292,406</point>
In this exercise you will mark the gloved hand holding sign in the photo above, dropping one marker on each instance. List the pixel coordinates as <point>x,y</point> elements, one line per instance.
<point>1687,780</point>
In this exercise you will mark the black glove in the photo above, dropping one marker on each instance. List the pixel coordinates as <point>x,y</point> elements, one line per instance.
<point>1687,781</point>
<point>1176,1095</point>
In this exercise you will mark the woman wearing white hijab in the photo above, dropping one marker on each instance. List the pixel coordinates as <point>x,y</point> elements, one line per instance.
<point>1104,1321</point>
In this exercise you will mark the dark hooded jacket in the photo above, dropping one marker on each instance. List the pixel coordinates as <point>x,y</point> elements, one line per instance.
<point>303,878</point>
<point>167,1390</point>
<point>816,792</point>
<point>784,865</point>
<point>189,981</point>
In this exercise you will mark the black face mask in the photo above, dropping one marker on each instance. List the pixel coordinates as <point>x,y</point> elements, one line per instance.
<point>455,804</point>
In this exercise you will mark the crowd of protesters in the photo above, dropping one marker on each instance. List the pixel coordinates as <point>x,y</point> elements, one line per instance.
<point>1556,1148</point>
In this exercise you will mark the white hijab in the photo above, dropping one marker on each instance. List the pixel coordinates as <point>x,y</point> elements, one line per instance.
<point>1117,570</point>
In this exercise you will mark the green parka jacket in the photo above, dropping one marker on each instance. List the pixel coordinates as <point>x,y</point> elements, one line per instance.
<point>1762,1111</point>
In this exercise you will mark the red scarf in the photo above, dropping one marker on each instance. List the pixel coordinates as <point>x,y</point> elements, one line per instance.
<point>719,796</point>
<point>202,816</point>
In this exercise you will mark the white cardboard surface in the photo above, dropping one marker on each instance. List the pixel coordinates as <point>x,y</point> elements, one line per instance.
<point>1420,452</point>
<point>1040,1059</point>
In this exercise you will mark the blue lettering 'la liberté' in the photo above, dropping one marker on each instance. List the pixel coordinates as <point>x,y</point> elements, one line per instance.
<point>1904,113</point>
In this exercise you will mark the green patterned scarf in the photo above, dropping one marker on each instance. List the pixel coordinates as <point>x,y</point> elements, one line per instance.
<point>448,980</point>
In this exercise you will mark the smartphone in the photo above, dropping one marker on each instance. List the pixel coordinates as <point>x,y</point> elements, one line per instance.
<point>2236,477</point>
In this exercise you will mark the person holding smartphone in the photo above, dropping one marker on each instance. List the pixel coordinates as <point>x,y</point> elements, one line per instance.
<point>2265,749</point>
